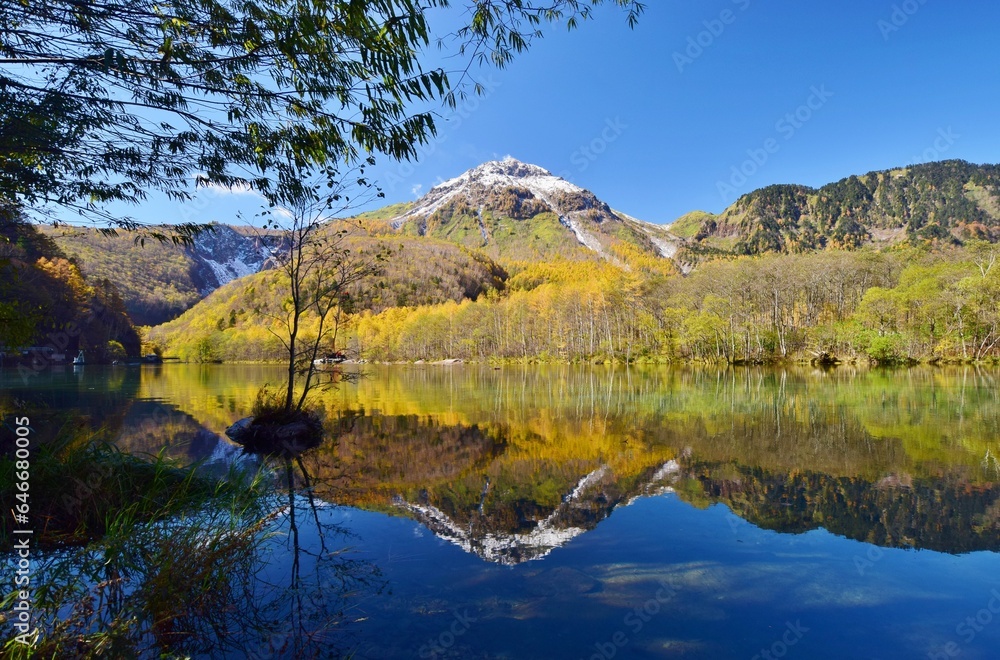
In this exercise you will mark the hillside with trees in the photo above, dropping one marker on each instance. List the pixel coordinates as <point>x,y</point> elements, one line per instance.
<point>491,221</point>
<point>156,281</point>
<point>948,202</point>
<point>890,307</point>
<point>519,215</point>
<point>45,300</point>
<point>917,294</point>
<point>884,306</point>
<point>238,321</point>
<point>160,280</point>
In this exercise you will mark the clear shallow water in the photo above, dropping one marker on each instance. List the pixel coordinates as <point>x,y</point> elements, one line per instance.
<point>577,512</point>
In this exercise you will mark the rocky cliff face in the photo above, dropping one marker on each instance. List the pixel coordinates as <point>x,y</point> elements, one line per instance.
<point>223,255</point>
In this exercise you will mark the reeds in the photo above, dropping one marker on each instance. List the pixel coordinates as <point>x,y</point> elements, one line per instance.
<point>138,558</point>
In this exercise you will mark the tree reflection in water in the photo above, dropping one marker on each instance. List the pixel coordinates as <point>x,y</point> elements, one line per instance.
<point>323,584</point>
<point>253,574</point>
<point>306,598</point>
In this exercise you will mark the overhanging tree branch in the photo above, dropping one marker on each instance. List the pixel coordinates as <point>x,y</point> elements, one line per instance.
<point>262,88</point>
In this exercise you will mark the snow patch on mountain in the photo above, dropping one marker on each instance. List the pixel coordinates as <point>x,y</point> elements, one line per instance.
<point>586,482</point>
<point>228,271</point>
<point>669,469</point>
<point>666,248</point>
<point>586,239</point>
<point>667,243</point>
<point>506,173</point>
<point>503,174</point>
<point>507,549</point>
<point>223,255</point>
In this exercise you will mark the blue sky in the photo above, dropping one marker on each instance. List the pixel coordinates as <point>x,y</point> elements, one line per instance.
<point>704,101</point>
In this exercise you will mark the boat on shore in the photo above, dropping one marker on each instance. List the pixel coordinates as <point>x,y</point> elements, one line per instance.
<point>333,358</point>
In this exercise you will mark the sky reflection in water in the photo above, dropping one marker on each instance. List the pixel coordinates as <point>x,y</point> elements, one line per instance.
<point>576,512</point>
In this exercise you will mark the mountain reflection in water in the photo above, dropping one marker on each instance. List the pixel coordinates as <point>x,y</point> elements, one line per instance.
<point>456,481</point>
<point>544,505</point>
<point>510,464</point>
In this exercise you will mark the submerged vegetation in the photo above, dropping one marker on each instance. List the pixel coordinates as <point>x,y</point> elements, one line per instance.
<point>133,555</point>
<point>85,490</point>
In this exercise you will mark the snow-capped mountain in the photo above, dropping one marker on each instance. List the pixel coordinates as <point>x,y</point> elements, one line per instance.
<point>493,176</point>
<point>513,209</point>
<point>594,497</point>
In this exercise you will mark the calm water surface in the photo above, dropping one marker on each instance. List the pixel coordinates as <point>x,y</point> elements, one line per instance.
<point>575,512</point>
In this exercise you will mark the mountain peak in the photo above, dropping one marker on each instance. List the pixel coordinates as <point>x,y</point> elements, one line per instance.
<point>489,177</point>
<point>522,211</point>
<point>512,167</point>
<point>509,172</point>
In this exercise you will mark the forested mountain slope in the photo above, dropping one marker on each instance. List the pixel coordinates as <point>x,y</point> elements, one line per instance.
<point>46,302</point>
<point>948,201</point>
<point>520,215</point>
<point>503,211</point>
<point>235,321</point>
<point>159,281</point>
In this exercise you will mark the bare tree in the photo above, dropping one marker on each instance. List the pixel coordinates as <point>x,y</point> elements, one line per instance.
<point>326,269</point>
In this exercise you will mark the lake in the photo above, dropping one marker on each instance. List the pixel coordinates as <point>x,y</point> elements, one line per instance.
<point>600,512</point>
